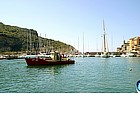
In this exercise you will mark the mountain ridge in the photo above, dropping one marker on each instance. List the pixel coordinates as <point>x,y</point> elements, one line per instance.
<point>14,38</point>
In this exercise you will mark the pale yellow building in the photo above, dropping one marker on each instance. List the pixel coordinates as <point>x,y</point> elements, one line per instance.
<point>134,45</point>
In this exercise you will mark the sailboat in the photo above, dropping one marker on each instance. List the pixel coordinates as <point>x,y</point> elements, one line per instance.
<point>104,54</point>
<point>83,55</point>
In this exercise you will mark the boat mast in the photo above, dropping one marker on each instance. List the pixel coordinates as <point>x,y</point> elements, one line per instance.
<point>97,46</point>
<point>83,43</point>
<point>112,43</point>
<point>78,43</point>
<point>104,36</point>
<point>27,42</point>
<point>30,42</point>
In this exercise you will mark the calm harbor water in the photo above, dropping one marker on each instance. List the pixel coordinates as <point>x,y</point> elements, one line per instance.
<point>87,75</point>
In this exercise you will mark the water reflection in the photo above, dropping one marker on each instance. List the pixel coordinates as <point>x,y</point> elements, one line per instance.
<point>52,69</point>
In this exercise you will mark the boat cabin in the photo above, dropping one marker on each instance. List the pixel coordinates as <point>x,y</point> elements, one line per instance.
<point>56,56</point>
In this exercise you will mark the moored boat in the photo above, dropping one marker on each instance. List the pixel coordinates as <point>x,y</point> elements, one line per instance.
<point>54,59</point>
<point>104,54</point>
<point>97,55</point>
<point>130,54</point>
<point>123,55</point>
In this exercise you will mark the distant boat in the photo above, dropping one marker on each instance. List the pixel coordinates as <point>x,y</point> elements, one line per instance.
<point>123,55</point>
<point>54,59</point>
<point>130,54</point>
<point>112,55</point>
<point>83,55</point>
<point>97,55</point>
<point>104,54</point>
<point>2,57</point>
<point>21,56</point>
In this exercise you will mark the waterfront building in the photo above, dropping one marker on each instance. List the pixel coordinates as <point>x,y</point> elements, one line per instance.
<point>134,45</point>
<point>131,46</point>
<point>125,46</point>
<point>119,49</point>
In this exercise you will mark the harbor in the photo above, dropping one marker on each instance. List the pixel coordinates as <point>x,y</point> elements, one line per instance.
<point>22,55</point>
<point>69,70</point>
<point>87,75</point>
<point>35,56</point>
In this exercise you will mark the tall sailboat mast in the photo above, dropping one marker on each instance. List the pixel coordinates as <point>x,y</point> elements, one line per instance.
<point>105,53</point>
<point>97,44</point>
<point>30,42</point>
<point>27,42</point>
<point>104,36</point>
<point>83,43</point>
<point>78,43</point>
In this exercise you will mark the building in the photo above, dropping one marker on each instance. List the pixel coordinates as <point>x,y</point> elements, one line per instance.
<point>133,46</point>
<point>125,46</point>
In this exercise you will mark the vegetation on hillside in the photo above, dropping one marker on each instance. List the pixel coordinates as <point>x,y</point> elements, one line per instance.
<point>13,38</point>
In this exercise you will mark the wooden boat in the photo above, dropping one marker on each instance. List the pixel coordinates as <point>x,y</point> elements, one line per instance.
<point>54,59</point>
<point>44,59</point>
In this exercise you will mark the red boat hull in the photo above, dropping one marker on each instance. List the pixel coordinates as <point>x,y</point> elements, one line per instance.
<point>40,61</point>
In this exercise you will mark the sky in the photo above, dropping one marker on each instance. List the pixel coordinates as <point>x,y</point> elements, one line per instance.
<point>69,20</point>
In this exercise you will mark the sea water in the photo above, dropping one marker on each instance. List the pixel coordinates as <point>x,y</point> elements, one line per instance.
<point>87,75</point>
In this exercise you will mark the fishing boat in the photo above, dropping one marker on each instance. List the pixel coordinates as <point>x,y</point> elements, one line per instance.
<point>138,86</point>
<point>54,59</point>
<point>104,54</point>
<point>38,59</point>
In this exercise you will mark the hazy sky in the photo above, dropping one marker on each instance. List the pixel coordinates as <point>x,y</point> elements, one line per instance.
<point>66,20</point>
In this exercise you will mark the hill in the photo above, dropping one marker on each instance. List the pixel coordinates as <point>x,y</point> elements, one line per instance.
<point>13,38</point>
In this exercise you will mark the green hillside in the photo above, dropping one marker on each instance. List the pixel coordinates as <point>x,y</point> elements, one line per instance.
<point>13,38</point>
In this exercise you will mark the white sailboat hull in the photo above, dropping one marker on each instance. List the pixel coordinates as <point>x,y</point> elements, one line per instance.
<point>97,55</point>
<point>104,55</point>
<point>130,55</point>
